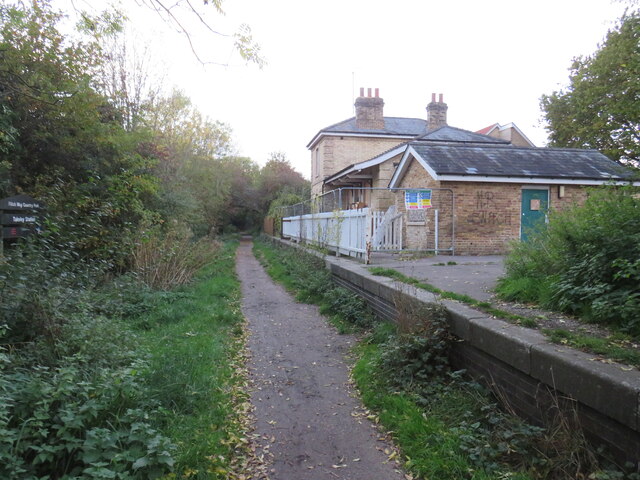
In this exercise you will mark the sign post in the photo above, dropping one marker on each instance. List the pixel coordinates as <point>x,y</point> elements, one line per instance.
<point>18,217</point>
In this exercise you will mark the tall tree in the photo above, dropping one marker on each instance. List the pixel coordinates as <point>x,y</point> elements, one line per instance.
<point>277,177</point>
<point>126,78</point>
<point>59,138</point>
<point>600,108</point>
<point>192,166</point>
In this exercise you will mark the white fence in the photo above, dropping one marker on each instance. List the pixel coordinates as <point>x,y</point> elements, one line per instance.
<point>347,232</point>
<point>386,230</point>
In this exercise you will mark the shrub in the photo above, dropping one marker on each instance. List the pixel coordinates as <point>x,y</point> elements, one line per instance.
<point>585,261</point>
<point>42,283</point>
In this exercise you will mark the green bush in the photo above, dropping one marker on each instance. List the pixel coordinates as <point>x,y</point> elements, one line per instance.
<point>586,261</point>
<point>41,284</point>
<point>419,353</point>
<point>67,422</point>
<point>78,397</point>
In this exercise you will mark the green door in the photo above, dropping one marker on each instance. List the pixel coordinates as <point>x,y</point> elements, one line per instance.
<point>534,210</point>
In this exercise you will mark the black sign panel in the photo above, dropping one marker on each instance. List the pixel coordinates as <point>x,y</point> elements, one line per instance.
<point>20,203</point>
<point>18,219</point>
<point>16,232</point>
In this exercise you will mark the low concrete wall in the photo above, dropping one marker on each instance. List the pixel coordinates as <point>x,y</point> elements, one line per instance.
<point>535,376</point>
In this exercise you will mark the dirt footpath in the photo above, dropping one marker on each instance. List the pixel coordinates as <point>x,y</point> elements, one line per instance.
<point>305,413</point>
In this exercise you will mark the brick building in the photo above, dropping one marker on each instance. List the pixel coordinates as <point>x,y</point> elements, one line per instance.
<point>500,191</point>
<point>496,183</point>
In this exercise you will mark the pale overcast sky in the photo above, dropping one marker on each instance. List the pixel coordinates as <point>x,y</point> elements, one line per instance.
<point>491,60</point>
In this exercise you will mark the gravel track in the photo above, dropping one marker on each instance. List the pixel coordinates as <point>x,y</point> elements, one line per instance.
<point>309,422</point>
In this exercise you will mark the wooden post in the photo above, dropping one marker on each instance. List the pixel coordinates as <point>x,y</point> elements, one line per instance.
<point>368,236</point>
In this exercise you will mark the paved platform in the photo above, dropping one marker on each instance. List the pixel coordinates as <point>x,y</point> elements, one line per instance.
<point>475,276</point>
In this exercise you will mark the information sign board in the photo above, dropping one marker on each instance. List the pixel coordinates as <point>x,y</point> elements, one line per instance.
<point>20,203</point>
<point>417,199</point>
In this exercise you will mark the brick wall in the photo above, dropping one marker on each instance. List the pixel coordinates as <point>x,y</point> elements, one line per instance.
<point>382,200</point>
<point>572,194</point>
<point>487,215</point>
<point>422,236</point>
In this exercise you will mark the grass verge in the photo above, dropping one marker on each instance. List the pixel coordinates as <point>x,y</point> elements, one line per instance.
<point>196,369</point>
<point>484,306</point>
<point>617,347</point>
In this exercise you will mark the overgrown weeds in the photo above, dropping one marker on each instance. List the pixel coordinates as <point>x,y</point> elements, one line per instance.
<point>618,347</point>
<point>84,390</point>
<point>165,260</point>
<point>449,427</point>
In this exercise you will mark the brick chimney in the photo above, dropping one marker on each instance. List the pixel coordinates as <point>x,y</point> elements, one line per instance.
<point>369,111</point>
<point>436,113</point>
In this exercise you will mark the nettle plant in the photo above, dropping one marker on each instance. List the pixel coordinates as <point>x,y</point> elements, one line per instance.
<point>65,422</point>
<point>419,353</point>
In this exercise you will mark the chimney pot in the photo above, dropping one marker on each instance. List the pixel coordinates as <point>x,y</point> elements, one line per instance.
<point>440,99</point>
<point>362,91</point>
<point>377,92</point>
<point>433,97</point>
<point>369,92</point>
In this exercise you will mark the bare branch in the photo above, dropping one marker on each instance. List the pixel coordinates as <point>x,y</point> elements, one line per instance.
<point>183,30</point>
<point>207,26</point>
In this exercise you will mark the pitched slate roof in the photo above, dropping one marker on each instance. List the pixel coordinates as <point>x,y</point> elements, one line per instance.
<point>393,126</point>
<point>439,135</point>
<point>452,134</point>
<point>455,161</point>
